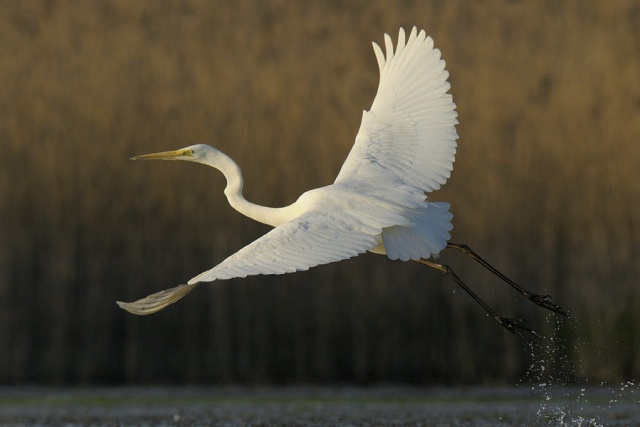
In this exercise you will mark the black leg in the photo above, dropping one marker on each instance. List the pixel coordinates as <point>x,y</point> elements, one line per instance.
<point>541,300</point>
<point>514,326</point>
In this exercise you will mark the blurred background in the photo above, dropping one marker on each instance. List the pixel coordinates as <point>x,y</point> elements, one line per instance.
<point>546,186</point>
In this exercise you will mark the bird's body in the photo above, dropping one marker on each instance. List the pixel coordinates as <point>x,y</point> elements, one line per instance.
<point>405,148</point>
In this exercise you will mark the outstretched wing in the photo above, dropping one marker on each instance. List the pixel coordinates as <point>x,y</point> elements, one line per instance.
<point>409,133</point>
<point>309,240</point>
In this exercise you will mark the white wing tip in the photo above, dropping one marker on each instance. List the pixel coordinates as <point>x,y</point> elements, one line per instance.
<point>158,301</point>
<point>379,55</point>
<point>402,42</point>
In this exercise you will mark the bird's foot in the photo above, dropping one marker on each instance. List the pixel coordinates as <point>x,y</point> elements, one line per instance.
<point>543,301</point>
<point>516,327</point>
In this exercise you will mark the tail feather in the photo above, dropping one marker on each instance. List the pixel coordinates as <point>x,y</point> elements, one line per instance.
<point>426,238</point>
<point>158,301</point>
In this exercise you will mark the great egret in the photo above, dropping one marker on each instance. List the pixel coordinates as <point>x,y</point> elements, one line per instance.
<point>405,148</point>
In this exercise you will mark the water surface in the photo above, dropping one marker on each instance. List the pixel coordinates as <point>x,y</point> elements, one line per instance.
<point>322,406</point>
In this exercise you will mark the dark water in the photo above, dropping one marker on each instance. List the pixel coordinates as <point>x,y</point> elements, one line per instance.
<point>537,405</point>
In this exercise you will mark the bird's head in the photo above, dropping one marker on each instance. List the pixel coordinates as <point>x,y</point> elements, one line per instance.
<point>199,153</point>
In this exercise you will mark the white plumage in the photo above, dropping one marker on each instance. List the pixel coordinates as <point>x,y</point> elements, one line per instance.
<point>409,133</point>
<point>405,148</point>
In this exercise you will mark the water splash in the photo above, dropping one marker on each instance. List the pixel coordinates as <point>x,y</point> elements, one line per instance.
<point>560,402</point>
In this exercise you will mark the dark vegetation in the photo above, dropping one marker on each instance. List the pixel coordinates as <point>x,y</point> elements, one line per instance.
<point>546,186</point>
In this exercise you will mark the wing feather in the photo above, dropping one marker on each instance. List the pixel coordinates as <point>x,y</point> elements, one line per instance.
<point>309,240</point>
<point>379,55</point>
<point>409,133</point>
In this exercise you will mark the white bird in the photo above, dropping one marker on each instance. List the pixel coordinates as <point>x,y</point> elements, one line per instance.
<point>405,148</point>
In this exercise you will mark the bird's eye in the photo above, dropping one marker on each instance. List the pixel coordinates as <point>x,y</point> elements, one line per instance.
<point>189,152</point>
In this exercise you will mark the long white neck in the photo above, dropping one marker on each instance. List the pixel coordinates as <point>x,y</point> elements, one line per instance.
<point>233,191</point>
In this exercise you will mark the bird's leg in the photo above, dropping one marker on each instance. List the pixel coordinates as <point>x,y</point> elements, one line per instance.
<point>514,326</point>
<point>541,300</point>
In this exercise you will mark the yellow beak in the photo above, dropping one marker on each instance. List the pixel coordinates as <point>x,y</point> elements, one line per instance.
<point>164,155</point>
